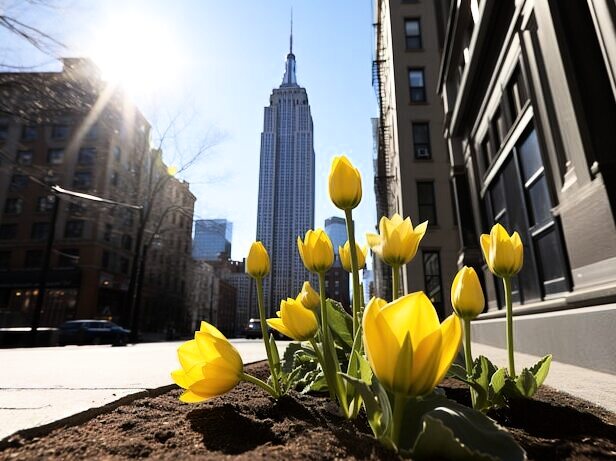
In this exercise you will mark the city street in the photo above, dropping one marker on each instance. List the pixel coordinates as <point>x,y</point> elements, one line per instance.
<point>43,385</point>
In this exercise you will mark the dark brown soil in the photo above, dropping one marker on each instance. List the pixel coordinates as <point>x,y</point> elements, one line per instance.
<point>246,424</point>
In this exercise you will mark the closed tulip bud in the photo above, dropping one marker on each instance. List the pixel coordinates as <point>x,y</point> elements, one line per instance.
<point>309,298</point>
<point>345,256</point>
<point>316,251</point>
<point>294,320</point>
<point>466,294</point>
<point>398,241</point>
<point>210,364</point>
<point>503,254</point>
<point>344,184</point>
<point>257,263</point>
<point>408,349</point>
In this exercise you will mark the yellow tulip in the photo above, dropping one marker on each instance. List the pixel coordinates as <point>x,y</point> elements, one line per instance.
<point>211,366</point>
<point>408,350</point>
<point>258,262</point>
<point>316,251</point>
<point>466,294</point>
<point>504,254</point>
<point>345,256</point>
<point>309,298</point>
<point>294,320</point>
<point>344,184</point>
<point>398,241</point>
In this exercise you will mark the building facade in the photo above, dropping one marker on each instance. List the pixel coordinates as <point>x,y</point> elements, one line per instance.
<point>336,278</point>
<point>286,185</point>
<point>412,165</point>
<point>212,239</point>
<point>529,93</point>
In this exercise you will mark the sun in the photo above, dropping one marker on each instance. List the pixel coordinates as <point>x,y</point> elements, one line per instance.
<point>137,52</point>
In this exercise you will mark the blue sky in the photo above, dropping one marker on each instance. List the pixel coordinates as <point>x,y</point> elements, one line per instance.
<point>220,61</point>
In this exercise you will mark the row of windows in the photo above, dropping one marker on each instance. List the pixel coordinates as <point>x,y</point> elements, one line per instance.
<point>55,156</point>
<point>81,180</point>
<point>15,206</point>
<point>67,257</point>
<point>40,230</point>
<point>58,132</point>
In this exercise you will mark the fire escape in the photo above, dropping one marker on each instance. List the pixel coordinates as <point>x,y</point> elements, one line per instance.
<point>384,178</point>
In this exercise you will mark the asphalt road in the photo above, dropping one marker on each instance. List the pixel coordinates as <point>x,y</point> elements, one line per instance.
<point>42,385</point>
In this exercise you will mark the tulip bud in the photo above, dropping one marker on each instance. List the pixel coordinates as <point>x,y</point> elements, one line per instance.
<point>344,184</point>
<point>316,251</point>
<point>345,256</point>
<point>503,254</point>
<point>466,294</point>
<point>257,263</point>
<point>309,298</point>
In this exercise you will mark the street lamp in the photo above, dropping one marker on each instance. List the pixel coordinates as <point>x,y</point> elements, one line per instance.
<point>57,192</point>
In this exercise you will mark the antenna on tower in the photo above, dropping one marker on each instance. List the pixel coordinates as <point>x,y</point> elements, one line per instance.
<point>291,36</point>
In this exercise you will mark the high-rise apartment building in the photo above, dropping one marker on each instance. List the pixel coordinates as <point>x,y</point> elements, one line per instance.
<point>412,172</point>
<point>286,185</point>
<point>529,92</point>
<point>212,239</point>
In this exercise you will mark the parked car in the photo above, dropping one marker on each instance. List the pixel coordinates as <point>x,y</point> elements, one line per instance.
<point>92,332</point>
<point>253,330</point>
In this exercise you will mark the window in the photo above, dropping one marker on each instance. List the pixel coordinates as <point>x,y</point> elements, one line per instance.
<point>59,132</point>
<point>114,178</point>
<point>92,132</point>
<point>107,233</point>
<point>517,94</point>
<point>40,230</point>
<point>87,156</point>
<point>432,280</point>
<point>13,205</point>
<point>127,242</point>
<point>68,257</point>
<point>426,202</point>
<point>34,259</point>
<point>24,157</point>
<point>5,260</point>
<point>8,231</point>
<point>82,180</point>
<point>117,153</point>
<point>55,156</point>
<point>77,208</point>
<point>412,32</point>
<point>4,131</point>
<point>421,140</point>
<point>417,85</point>
<point>73,229</point>
<point>43,204</point>
<point>18,182</point>
<point>29,133</point>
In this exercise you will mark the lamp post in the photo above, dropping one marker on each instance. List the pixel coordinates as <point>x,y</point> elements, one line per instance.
<point>57,192</point>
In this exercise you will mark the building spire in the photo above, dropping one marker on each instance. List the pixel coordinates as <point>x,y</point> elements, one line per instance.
<point>289,78</point>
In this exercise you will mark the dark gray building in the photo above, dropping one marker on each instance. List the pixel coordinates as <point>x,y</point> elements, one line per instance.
<point>286,185</point>
<point>529,93</point>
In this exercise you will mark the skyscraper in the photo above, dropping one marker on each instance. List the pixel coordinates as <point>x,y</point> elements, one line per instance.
<point>212,239</point>
<point>286,184</point>
<point>337,279</point>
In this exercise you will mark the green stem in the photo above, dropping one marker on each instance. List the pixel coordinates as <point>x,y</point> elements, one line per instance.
<point>395,282</point>
<point>355,269</point>
<point>270,359</point>
<point>262,384</point>
<point>399,407</point>
<point>507,286</point>
<point>468,357</point>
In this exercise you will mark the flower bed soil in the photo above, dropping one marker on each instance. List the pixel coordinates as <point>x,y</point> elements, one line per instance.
<point>246,424</point>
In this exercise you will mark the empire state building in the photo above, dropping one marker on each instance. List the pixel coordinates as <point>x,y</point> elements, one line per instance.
<point>286,185</point>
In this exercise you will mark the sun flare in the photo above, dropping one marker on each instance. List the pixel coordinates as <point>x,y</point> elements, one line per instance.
<point>138,52</point>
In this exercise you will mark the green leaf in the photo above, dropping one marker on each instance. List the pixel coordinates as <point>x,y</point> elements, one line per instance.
<point>498,380</point>
<point>288,357</point>
<point>458,371</point>
<point>275,355</point>
<point>541,368</point>
<point>526,383</point>
<point>438,427</point>
<point>340,324</point>
<point>372,404</point>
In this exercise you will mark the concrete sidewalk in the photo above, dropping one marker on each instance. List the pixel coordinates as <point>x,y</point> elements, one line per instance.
<point>596,387</point>
<point>43,385</point>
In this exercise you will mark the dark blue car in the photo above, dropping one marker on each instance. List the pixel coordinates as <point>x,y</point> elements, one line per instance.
<point>92,332</point>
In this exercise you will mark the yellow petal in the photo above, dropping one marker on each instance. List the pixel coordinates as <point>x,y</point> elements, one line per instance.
<point>518,251</point>
<point>191,397</point>
<point>179,378</point>
<point>485,248</point>
<point>412,313</point>
<point>451,330</point>
<point>189,354</point>
<point>301,322</point>
<point>426,363</point>
<point>278,325</point>
<point>211,329</point>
